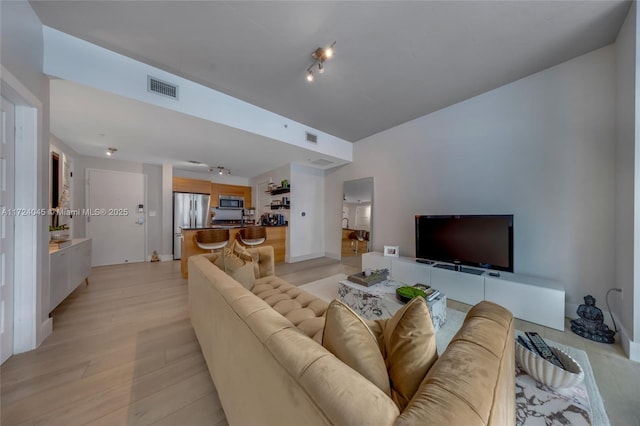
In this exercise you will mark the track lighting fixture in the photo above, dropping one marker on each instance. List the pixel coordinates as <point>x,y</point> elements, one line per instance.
<point>111,151</point>
<point>220,170</point>
<point>319,56</point>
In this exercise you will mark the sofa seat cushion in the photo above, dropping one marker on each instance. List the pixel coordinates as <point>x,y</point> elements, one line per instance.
<point>304,310</point>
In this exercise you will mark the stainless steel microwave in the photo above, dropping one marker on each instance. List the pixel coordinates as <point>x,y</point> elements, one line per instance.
<point>230,202</point>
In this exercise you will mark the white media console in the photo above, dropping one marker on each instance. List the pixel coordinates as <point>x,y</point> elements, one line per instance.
<point>531,299</point>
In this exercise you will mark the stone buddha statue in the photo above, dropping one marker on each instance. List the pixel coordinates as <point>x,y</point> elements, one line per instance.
<point>591,324</point>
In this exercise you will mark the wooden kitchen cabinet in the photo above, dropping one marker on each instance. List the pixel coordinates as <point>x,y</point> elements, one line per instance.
<point>218,189</point>
<point>181,184</point>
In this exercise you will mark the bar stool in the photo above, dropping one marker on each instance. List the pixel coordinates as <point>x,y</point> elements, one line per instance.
<point>211,239</point>
<point>252,236</point>
<point>357,237</point>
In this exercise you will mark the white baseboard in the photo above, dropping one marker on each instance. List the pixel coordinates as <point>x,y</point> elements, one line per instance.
<point>46,328</point>
<point>631,348</point>
<point>330,255</point>
<point>305,257</point>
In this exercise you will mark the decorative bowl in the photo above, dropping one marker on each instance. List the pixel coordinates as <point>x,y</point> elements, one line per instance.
<point>548,373</point>
<point>58,236</point>
<point>406,293</point>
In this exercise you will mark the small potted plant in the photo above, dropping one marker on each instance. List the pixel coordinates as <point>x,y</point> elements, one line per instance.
<point>57,233</point>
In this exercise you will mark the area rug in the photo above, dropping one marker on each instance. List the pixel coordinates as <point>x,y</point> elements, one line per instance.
<point>536,404</point>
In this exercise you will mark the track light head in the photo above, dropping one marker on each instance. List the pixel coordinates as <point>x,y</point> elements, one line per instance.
<point>320,55</point>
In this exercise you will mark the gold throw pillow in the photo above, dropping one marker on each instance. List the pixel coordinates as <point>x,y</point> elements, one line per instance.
<point>238,264</point>
<point>350,340</point>
<point>409,346</point>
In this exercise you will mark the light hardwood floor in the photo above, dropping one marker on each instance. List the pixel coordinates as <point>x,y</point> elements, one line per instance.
<point>123,352</point>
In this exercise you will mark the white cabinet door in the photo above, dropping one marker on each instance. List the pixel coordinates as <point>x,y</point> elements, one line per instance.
<point>460,286</point>
<point>59,271</point>
<point>69,267</point>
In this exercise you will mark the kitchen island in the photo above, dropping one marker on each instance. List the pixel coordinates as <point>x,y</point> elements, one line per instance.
<point>276,237</point>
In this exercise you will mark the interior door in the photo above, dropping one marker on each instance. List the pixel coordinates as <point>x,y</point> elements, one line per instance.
<point>7,158</point>
<point>114,224</point>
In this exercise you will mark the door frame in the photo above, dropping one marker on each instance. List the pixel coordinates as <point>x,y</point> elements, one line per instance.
<point>145,196</point>
<point>31,265</point>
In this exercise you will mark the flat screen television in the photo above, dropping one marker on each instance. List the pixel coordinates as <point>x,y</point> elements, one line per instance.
<point>484,241</point>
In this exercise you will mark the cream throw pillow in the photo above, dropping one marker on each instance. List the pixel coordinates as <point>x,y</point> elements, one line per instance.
<point>350,340</point>
<point>406,352</point>
<point>238,264</point>
<point>409,346</point>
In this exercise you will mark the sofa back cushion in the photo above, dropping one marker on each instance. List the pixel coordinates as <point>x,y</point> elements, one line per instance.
<point>348,337</point>
<point>396,356</point>
<point>409,349</point>
<point>216,258</point>
<point>238,264</point>
<point>473,382</point>
<point>263,261</point>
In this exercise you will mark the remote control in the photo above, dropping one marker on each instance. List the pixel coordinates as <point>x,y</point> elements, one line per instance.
<point>543,349</point>
<point>525,343</point>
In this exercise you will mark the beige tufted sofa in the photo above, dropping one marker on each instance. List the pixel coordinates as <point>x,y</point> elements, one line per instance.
<point>263,352</point>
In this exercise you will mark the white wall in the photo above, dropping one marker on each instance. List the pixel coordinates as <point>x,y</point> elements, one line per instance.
<point>22,49</point>
<point>276,176</point>
<point>306,232</point>
<point>77,60</point>
<point>541,148</point>
<point>627,305</point>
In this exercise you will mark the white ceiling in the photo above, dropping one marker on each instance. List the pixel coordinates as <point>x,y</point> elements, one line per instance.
<point>395,60</point>
<point>89,120</point>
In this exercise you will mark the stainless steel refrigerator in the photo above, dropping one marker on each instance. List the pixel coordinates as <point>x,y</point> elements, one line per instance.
<point>189,211</point>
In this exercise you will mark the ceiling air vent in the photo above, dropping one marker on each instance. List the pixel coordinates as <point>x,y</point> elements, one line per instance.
<point>321,162</point>
<point>162,87</point>
<point>311,138</point>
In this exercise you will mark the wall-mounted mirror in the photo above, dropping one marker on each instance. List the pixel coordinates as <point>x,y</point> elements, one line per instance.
<point>357,205</point>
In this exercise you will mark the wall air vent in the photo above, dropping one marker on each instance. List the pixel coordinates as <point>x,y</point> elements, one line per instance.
<point>311,138</point>
<point>163,88</point>
<point>321,162</point>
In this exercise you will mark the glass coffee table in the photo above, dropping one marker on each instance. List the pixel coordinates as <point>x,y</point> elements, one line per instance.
<point>379,301</point>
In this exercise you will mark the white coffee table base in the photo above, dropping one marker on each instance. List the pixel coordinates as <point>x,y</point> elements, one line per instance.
<point>379,301</point>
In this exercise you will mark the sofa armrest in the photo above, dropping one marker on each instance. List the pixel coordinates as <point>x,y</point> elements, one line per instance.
<point>473,380</point>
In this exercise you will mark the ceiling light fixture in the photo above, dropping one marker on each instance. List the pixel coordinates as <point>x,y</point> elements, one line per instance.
<point>220,170</point>
<point>319,56</point>
<point>111,151</point>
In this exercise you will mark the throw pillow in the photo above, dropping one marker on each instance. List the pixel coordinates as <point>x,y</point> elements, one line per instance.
<point>238,264</point>
<point>218,260</point>
<point>409,346</point>
<point>348,337</point>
